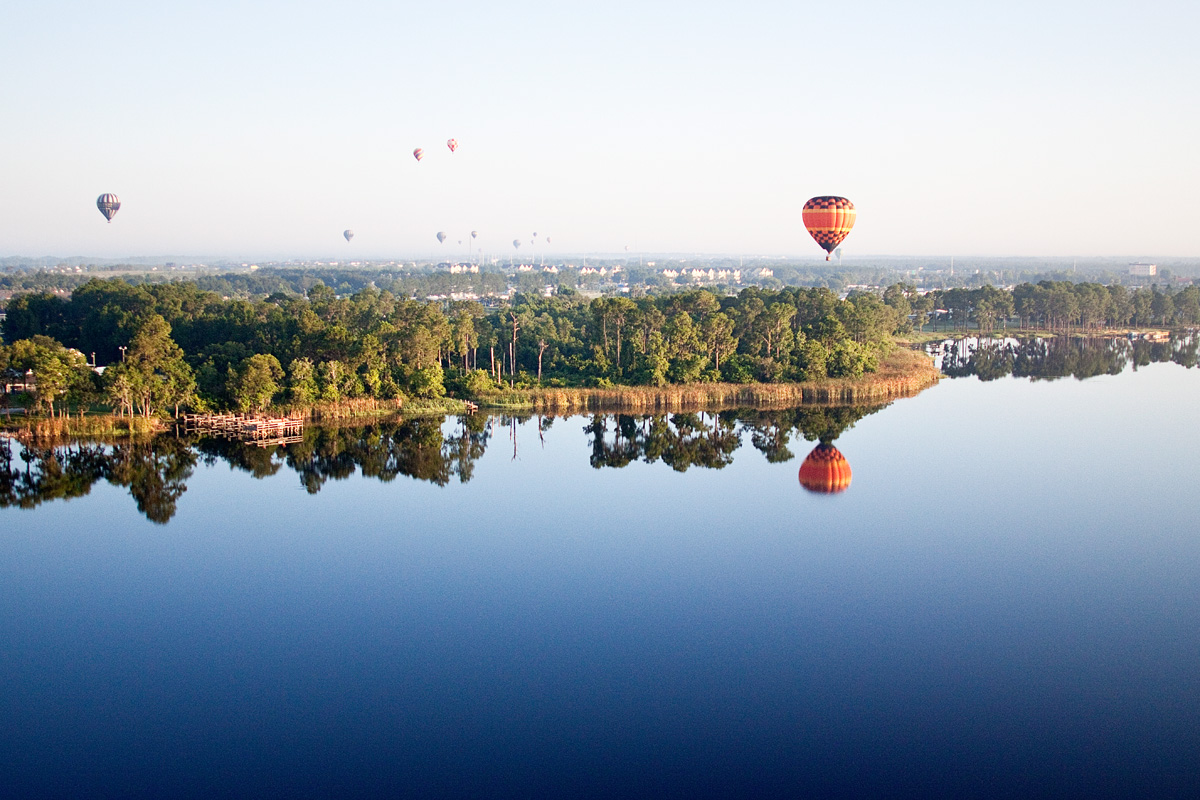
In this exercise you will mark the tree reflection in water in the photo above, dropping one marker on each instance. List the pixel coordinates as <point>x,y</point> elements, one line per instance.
<point>710,439</point>
<point>1060,357</point>
<point>156,470</point>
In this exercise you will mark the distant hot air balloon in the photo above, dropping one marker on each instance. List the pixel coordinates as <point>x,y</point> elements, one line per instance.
<point>109,205</point>
<point>349,234</point>
<point>517,243</point>
<point>547,240</point>
<point>829,220</point>
<point>441,236</point>
<point>418,154</point>
<point>535,234</point>
<point>825,470</point>
<point>474,234</point>
<point>452,144</point>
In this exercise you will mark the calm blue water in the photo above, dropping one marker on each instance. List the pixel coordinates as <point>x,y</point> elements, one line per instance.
<point>1006,601</point>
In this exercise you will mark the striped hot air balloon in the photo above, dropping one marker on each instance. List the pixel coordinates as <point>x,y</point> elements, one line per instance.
<point>452,144</point>
<point>829,220</point>
<point>109,205</point>
<point>441,236</point>
<point>825,470</point>
<point>418,154</point>
<point>348,234</point>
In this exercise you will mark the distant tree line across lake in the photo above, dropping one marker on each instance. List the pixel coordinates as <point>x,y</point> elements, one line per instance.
<point>1061,357</point>
<point>1050,305</point>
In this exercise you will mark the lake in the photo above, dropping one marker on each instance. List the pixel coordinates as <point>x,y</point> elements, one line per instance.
<point>1003,600</point>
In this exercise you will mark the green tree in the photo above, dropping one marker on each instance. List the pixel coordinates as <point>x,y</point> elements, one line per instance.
<point>256,382</point>
<point>302,383</point>
<point>153,374</point>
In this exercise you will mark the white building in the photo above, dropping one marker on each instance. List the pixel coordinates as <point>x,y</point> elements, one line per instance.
<point>1143,270</point>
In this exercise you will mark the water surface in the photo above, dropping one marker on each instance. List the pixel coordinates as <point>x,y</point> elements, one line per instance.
<point>1004,601</point>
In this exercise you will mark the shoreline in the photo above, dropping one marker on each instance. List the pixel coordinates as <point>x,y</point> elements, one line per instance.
<point>904,373</point>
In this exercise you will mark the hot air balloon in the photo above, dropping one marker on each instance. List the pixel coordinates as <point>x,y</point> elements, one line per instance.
<point>441,236</point>
<point>825,470</point>
<point>829,220</point>
<point>517,243</point>
<point>452,144</point>
<point>109,205</point>
<point>349,234</point>
<point>418,154</point>
<point>535,234</point>
<point>547,240</point>
<point>474,234</point>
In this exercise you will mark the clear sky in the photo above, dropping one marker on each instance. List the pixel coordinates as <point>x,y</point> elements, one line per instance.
<point>264,129</point>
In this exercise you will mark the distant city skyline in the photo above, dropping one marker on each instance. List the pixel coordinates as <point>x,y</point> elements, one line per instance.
<point>265,130</point>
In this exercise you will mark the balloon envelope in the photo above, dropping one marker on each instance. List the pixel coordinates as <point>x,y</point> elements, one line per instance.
<point>349,234</point>
<point>452,144</point>
<point>108,205</point>
<point>474,234</point>
<point>825,470</point>
<point>516,242</point>
<point>441,236</point>
<point>418,154</point>
<point>829,220</point>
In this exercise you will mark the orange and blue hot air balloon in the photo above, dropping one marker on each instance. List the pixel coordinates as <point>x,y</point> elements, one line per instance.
<point>825,470</point>
<point>829,220</point>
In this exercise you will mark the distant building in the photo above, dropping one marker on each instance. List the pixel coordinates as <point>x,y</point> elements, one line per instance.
<point>1143,270</point>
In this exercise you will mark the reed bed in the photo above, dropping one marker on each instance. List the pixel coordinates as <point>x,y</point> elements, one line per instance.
<point>100,427</point>
<point>348,409</point>
<point>903,374</point>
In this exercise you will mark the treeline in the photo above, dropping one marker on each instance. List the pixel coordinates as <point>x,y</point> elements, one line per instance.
<point>1061,306</point>
<point>176,344</point>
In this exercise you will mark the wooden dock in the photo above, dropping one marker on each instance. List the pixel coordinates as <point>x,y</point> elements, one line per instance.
<point>249,428</point>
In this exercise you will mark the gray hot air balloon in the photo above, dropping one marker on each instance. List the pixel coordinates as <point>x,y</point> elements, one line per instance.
<point>474,234</point>
<point>349,234</point>
<point>441,236</point>
<point>517,243</point>
<point>109,205</point>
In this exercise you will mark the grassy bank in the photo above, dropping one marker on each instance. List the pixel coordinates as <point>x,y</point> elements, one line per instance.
<point>368,408</point>
<point>903,374</point>
<point>101,427</point>
<point>108,427</point>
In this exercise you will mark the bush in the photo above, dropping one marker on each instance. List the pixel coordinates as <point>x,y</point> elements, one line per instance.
<point>737,369</point>
<point>427,383</point>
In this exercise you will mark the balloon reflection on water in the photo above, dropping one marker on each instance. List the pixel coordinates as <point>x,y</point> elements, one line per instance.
<point>825,470</point>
